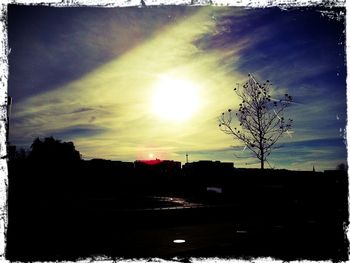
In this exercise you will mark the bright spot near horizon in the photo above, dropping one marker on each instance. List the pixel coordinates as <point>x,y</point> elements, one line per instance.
<point>151,155</point>
<point>175,99</point>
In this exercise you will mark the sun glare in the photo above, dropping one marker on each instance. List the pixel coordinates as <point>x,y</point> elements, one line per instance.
<point>175,99</point>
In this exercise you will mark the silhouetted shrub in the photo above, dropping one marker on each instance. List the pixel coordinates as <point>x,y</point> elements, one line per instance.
<point>342,167</point>
<point>51,149</point>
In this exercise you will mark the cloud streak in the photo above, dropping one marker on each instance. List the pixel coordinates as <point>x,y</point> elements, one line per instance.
<point>117,97</point>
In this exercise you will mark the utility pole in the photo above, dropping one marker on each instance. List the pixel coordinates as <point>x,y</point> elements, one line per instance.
<point>186,157</point>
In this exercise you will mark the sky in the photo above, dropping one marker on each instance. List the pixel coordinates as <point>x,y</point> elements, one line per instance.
<point>137,83</point>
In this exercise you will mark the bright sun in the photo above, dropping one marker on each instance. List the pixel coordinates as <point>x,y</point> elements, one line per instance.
<point>175,99</point>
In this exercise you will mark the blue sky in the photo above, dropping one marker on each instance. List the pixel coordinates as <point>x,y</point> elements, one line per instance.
<point>90,75</point>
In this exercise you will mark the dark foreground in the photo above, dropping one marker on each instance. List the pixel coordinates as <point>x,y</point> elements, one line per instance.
<point>208,232</point>
<point>284,216</point>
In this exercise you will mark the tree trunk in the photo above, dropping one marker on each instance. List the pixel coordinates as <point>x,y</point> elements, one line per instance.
<point>261,148</point>
<point>262,164</point>
<point>262,158</point>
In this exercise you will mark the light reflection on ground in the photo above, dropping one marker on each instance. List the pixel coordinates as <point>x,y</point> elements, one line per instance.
<point>138,203</point>
<point>164,202</point>
<point>179,241</point>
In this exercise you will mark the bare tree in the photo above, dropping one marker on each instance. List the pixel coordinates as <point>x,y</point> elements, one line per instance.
<point>261,120</point>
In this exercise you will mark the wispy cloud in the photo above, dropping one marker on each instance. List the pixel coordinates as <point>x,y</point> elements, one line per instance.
<point>117,97</point>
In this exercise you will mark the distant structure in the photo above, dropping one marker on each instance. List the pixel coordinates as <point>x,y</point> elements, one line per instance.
<point>115,165</point>
<point>207,168</point>
<point>186,157</point>
<point>313,168</point>
<point>157,167</point>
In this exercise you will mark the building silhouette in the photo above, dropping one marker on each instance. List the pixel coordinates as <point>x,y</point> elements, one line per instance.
<point>157,167</point>
<point>208,168</point>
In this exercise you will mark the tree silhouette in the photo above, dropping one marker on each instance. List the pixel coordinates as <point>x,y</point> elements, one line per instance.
<point>342,167</point>
<point>261,120</point>
<point>51,149</point>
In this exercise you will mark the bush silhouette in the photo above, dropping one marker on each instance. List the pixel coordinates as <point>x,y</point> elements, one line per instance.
<point>51,149</point>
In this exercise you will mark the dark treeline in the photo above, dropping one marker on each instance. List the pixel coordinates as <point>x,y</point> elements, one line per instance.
<point>63,207</point>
